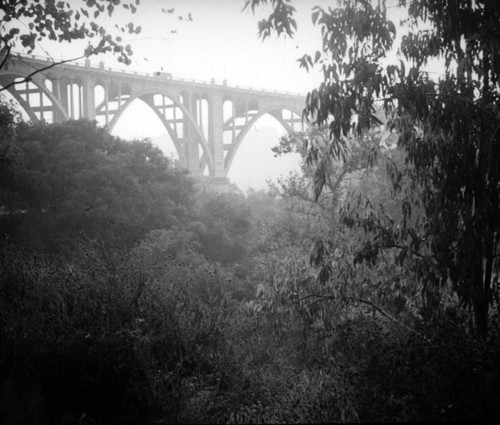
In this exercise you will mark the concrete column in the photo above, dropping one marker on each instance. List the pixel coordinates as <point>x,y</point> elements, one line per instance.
<point>106,103</point>
<point>61,93</point>
<point>88,111</point>
<point>233,138</point>
<point>190,143</point>
<point>192,152</point>
<point>215,131</point>
<point>71,101</point>
<point>41,106</point>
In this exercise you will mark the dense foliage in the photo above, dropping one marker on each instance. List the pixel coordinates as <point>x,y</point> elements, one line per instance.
<point>447,126</point>
<point>212,309</point>
<point>75,179</point>
<point>342,294</point>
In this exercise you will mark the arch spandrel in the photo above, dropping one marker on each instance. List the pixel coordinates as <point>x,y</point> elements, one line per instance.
<point>169,124</point>
<point>276,113</point>
<point>22,103</point>
<point>7,77</point>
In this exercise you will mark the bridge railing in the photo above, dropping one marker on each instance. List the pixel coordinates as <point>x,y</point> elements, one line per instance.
<point>164,76</point>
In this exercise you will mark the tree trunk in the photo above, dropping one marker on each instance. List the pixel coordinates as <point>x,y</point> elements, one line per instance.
<point>481,313</point>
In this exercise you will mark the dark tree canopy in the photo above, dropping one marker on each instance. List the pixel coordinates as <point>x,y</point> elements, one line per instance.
<point>76,177</point>
<point>226,225</point>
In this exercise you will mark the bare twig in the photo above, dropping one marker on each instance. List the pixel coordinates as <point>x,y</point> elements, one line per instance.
<point>392,318</point>
<point>413,252</point>
<point>325,297</point>
<point>367,302</point>
<point>36,71</point>
<point>4,61</point>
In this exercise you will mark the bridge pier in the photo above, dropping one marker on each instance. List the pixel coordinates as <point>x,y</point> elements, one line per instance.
<point>215,138</point>
<point>190,144</point>
<point>192,152</point>
<point>88,99</point>
<point>61,93</point>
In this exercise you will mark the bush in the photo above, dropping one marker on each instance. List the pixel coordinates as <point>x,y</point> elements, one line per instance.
<point>398,376</point>
<point>102,338</point>
<point>152,333</point>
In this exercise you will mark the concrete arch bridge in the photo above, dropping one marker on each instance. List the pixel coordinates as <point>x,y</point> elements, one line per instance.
<point>207,122</point>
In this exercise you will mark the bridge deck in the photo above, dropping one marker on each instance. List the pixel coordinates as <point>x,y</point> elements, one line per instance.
<point>41,61</point>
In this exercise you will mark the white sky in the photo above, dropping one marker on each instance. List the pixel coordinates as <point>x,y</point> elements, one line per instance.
<point>221,42</point>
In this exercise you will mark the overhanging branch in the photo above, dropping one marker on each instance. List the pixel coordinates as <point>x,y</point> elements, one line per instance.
<point>363,301</point>
<point>4,61</point>
<point>36,71</point>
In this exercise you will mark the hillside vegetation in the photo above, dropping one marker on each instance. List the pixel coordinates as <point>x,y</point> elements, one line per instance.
<point>128,296</point>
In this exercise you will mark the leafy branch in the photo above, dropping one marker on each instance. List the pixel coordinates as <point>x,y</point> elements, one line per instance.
<point>379,309</point>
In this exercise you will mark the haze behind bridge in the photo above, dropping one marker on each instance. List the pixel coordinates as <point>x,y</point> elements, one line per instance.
<point>221,43</point>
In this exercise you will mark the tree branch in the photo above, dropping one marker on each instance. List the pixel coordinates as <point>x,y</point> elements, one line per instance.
<point>417,254</point>
<point>451,96</point>
<point>363,301</point>
<point>4,61</point>
<point>392,318</point>
<point>323,297</point>
<point>36,71</point>
<point>465,100</point>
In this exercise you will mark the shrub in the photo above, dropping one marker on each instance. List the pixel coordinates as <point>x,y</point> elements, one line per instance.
<point>102,337</point>
<point>398,376</point>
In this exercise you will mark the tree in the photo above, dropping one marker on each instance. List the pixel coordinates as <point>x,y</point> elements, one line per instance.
<point>448,126</point>
<point>75,178</point>
<point>25,23</point>
<point>328,266</point>
<point>226,224</point>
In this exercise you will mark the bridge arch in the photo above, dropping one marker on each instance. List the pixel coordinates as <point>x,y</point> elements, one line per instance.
<point>175,126</point>
<point>38,83</point>
<point>274,112</point>
<point>21,103</point>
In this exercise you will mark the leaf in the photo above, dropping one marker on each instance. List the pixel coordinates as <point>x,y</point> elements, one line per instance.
<point>391,27</point>
<point>325,274</point>
<point>315,15</point>
<point>376,120</point>
<point>462,68</point>
<point>318,253</point>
